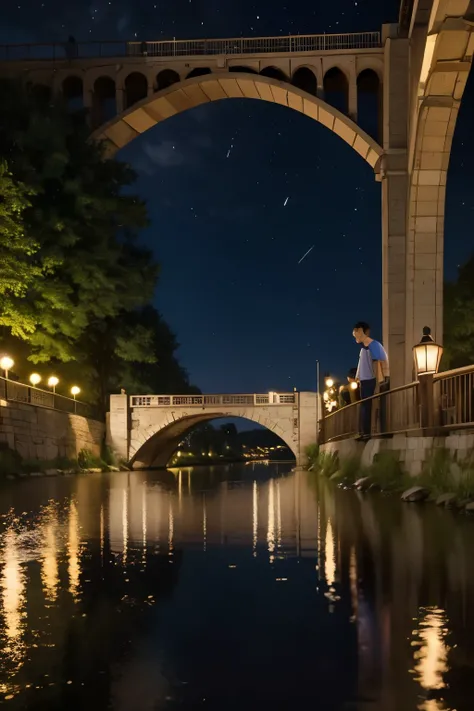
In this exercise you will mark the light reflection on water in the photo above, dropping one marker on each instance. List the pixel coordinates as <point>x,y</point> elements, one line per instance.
<point>136,591</point>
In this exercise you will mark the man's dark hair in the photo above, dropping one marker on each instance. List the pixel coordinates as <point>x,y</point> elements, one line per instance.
<point>363,325</point>
<point>352,373</point>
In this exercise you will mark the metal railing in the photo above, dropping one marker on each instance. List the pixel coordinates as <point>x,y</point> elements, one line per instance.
<point>454,398</point>
<point>28,395</point>
<point>293,44</point>
<point>445,402</point>
<point>389,412</point>
<point>252,400</point>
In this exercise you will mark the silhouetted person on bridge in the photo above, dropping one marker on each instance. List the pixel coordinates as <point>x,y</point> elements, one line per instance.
<point>372,373</point>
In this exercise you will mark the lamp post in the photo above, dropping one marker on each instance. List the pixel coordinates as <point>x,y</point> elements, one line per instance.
<point>427,355</point>
<point>52,382</point>
<point>35,379</point>
<point>6,364</point>
<point>75,391</point>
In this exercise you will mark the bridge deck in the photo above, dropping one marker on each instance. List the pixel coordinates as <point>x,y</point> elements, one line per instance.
<point>293,44</point>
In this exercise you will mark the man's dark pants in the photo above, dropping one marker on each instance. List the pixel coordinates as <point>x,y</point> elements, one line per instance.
<point>367,389</point>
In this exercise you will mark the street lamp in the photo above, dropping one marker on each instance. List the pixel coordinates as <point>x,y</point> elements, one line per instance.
<point>52,382</point>
<point>35,379</point>
<point>6,364</point>
<point>75,391</point>
<point>427,354</point>
<point>329,382</point>
<point>354,385</point>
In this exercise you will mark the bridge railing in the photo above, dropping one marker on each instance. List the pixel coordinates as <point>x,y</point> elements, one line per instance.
<point>252,400</point>
<point>443,402</point>
<point>390,412</point>
<point>293,44</point>
<point>27,394</point>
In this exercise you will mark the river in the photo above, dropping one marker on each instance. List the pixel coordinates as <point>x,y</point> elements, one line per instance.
<point>227,588</point>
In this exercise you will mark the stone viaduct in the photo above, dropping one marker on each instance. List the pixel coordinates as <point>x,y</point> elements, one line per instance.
<point>418,67</point>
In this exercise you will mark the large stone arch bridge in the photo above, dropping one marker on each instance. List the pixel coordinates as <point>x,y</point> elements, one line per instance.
<point>145,430</point>
<point>418,68</point>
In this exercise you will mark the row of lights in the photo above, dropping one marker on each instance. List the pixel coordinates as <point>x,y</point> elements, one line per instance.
<point>7,363</point>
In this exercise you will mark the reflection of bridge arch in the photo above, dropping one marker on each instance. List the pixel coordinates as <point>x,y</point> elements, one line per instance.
<point>207,88</point>
<point>155,445</point>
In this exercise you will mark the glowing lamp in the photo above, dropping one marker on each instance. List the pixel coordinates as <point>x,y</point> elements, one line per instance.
<point>354,385</point>
<point>427,354</point>
<point>6,364</point>
<point>75,391</point>
<point>35,379</point>
<point>329,382</point>
<point>53,381</point>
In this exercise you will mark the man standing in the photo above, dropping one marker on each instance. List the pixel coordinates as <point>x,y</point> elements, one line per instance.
<point>372,370</point>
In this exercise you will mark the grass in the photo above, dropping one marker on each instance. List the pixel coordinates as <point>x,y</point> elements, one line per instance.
<point>387,472</point>
<point>349,471</point>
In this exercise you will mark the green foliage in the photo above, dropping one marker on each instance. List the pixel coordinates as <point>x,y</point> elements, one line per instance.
<point>312,453</point>
<point>326,464</point>
<point>10,461</point>
<point>75,285</point>
<point>436,472</point>
<point>107,456</point>
<point>387,471</point>
<point>459,319</point>
<point>87,460</point>
<point>18,272</point>
<point>350,470</point>
<point>442,474</point>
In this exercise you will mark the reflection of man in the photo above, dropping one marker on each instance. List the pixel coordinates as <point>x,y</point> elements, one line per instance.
<point>349,393</point>
<point>372,370</point>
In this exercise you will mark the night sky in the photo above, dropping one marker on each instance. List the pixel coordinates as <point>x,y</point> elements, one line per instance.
<point>239,190</point>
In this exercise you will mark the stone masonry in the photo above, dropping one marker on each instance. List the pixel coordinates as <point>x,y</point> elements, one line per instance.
<point>412,451</point>
<point>39,433</point>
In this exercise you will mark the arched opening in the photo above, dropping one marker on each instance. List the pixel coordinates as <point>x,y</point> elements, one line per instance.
<point>274,73</point>
<point>136,88</point>
<point>248,88</point>
<point>369,103</point>
<point>104,106</point>
<point>306,80</point>
<point>336,89</point>
<point>243,70</point>
<point>73,92</point>
<point>166,78</point>
<point>212,439</point>
<point>198,72</point>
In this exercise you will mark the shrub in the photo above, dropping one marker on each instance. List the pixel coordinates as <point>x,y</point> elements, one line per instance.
<point>327,464</point>
<point>436,474</point>
<point>108,455</point>
<point>312,453</point>
<point>87,460</point>
<point>387,472</point>
<point>350,470</point>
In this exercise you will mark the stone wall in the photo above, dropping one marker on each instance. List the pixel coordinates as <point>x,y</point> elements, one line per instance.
<point>39,433</point>
<point>411,451</point>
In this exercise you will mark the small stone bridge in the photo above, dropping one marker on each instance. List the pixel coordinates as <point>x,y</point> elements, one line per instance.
<point>146,429</point>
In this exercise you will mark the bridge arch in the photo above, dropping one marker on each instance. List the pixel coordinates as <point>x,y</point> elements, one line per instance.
<point>177,98</point>
<point>153,446</point>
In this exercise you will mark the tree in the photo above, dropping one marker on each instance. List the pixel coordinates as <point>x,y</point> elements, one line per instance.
<point>82,222</point>
<point>459,319</point>
<point>17,273</point>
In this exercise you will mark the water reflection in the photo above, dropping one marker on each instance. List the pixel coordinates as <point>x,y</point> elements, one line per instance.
<point>137,591</point>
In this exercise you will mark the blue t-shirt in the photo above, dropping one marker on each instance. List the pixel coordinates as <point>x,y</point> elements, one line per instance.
<point>374,351</point>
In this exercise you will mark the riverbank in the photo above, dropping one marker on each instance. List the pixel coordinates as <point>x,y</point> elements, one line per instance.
<point>443,480</point>
<point>13,466</point>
